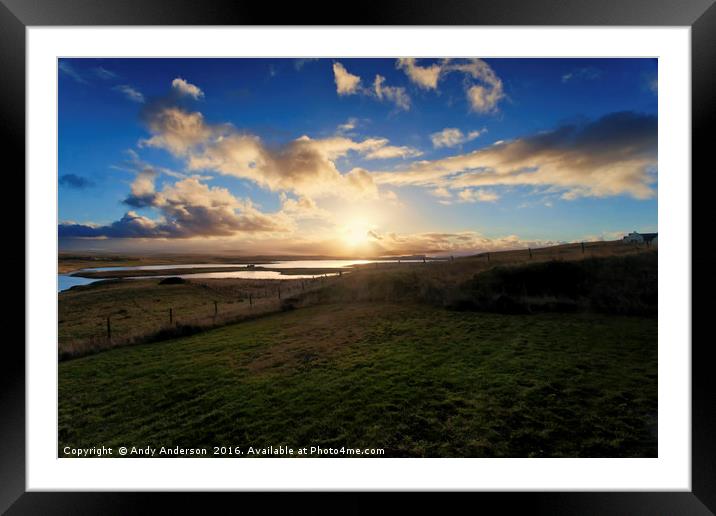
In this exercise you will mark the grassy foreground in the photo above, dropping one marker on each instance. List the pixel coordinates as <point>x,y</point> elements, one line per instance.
<point>414,380</point>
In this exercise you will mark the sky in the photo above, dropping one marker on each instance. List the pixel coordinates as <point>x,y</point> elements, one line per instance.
<point>354,157</point>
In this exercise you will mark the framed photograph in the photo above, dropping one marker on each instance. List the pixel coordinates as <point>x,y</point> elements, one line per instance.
<point>443,250</point>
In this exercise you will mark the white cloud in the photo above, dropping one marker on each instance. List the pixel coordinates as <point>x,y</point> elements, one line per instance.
<point>346,82</point>
<point>105,74</point>
<point>451,137</point>
<point>424,76</point>
<point>477,195</point>
<point>441,192</point>
<point>349,84</point>
<point>396,95</point>
<point>348,126</point>
<point>483,93</point>
<point>302,208</point>
<point>304,165</point>
<point>131,93</point>
<point>183,87</point>
<point>177,130</point>
<point>466,242</point>
<point>614,155</point>
<point>587,73</point>
<point>391,151</point>
<point>188,209</point>
<point>69,70</point>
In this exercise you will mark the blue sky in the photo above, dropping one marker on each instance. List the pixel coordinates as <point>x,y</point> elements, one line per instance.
<point>354,156</point>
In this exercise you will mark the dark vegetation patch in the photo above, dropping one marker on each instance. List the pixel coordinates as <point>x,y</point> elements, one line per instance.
<point>173,280</point>
<point>625,285</point>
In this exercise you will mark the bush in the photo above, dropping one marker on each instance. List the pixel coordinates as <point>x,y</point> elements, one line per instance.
<point>618,285</point>
<point>174,280</point>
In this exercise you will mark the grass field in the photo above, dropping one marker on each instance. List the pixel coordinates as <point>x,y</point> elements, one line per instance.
<point>415,380</point>
<point>138,309</point>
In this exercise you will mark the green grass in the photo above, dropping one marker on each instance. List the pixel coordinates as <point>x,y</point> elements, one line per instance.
<point>414,380</point>
<point>139,309</point>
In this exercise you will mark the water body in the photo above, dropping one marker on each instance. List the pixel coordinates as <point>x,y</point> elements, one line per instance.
<point>67,281</point>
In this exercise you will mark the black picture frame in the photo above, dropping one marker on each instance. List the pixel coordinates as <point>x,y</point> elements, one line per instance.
<point>700,15</point>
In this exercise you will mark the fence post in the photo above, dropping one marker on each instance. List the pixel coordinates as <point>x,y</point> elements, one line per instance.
<point>488,257</point>
<point>251,301</point>
<point>216,308</point>
<point>171,316</point>
<point>530,250</point>
<point>582,247</point>
<point>279,291</point>
<point>109,329</point>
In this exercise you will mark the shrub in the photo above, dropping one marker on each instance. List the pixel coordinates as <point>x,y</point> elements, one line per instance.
<point>173,280</point>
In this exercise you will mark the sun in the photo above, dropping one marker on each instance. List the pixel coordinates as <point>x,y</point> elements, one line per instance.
<point>356,233</point>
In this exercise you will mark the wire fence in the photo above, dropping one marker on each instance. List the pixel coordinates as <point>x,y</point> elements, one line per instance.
<point>132,323</point>
<point>216,307</point>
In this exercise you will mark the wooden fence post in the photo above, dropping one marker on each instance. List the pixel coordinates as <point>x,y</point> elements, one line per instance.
<point>530,250</point>
<point>279,291</point>
<point>251,301</point>
<point>171,316</point>
<point>582,247</point>
<point>216,308</point>
<point>109,329</point>
<point>488,257</point>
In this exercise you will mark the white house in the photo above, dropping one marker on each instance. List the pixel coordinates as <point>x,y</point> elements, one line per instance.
<point>640,238</point>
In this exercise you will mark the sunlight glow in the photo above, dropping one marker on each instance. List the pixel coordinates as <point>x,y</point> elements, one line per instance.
<point>356,233</point>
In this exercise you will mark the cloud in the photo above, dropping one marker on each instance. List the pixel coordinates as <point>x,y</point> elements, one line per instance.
<point>477,195</point>
<point>188,209</point>
<point>396,95</point>
<point>298,64</point>
<point>451,137</point>
<point>484,96</point>
<point>302,208</point>
<point>441,192</point>
<point>483,92</point>
<point>348,125</point>
<point>183,87</point>
<point>105,74</point>
<point>130,225</point>
<point>131,93</point>
<point>346,82</point>
<point>75,181</point>
<point>349,84</point>
<point>177,130</point>
<point>391,151</point>
<point>614,155</point>
<point>467,195</point>
<point>424,76</point>
<point>69,70</point>
<point>588,73</point>
<point>142,193</point>
<point>484,99</point>
<point>304,166</point>
<point>465,242</point>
